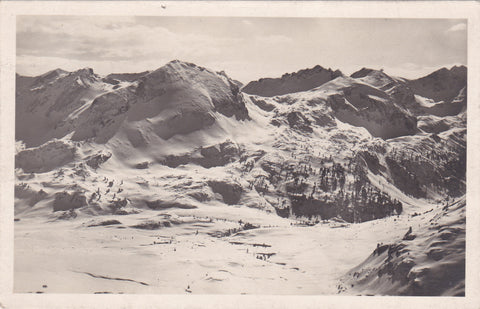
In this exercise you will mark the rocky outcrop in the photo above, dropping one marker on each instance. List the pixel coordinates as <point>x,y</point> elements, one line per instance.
<point>46,157</point>
<point>297,120</point>
<point>161,204</point>
<point>208,156</point>
<point>230,191</point>
<point>68,201</point>
<point>129,77</point>
<point>262,104</point>
<point>96,160</point>
<point>25,192</point>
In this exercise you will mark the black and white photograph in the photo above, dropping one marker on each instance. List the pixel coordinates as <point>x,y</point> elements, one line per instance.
<point>240,155</point>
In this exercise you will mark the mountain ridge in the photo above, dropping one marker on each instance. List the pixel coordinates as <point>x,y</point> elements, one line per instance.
<point>301,80</point>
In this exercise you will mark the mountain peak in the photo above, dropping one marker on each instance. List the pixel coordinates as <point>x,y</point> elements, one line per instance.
<point>86,70</point>
<point>301,80</point>
<point>377,78</point>
<point>460,70</point>
<point>184,64</point>
<point>178,68</point>
<point>315,69</point>
<point>361,73</point>
<point>52,74</point>
<point>441,85</point>
<point>56,71</point>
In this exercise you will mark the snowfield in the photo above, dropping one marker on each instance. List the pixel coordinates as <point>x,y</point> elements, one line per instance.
<point>75,257</point>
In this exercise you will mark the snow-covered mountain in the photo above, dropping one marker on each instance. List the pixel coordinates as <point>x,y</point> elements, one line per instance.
<point>441,85</point>
<point>441,93</point>
<point>183,149</point>
<point>176,99</point>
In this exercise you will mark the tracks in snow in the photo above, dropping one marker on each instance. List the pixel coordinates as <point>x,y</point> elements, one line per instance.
<point>110,278</point>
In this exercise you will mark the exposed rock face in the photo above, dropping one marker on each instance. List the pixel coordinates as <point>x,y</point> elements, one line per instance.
<point>96,160</point>
<point>68,201</point>
<point>160,204</point>
<point>24,191</point>
<point>297,121</point>
<point>142,165</point>
<point>129,77</point>
<point>231,192</point>
<point>294,82</point>
<point>362,73</point>
<point>236,82</point>
<point>46,157</point>
<point>209,156</point>
<point>219,155</point>
<point>262,104</point>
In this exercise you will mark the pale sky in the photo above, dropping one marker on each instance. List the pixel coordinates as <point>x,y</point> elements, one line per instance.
<point>246,48</point>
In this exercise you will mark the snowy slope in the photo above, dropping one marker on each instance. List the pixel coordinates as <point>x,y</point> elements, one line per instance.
<point>359,104</point>
<point>442,93</point>
<point>45,102</point>
<point>429,260</point>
